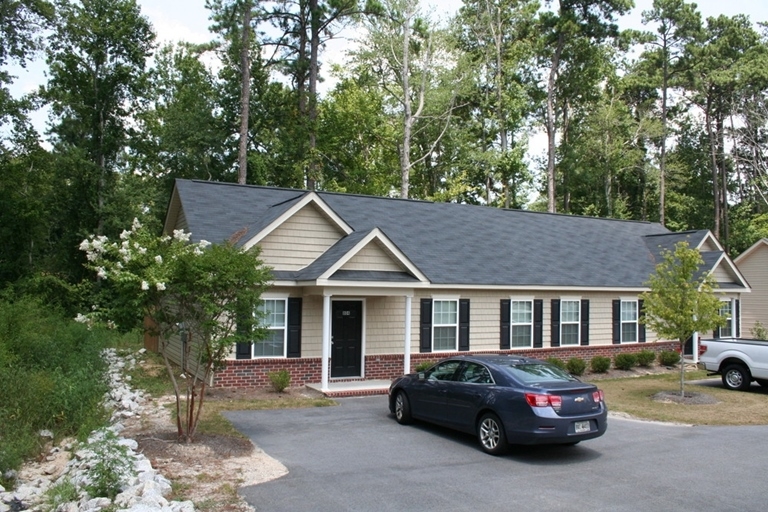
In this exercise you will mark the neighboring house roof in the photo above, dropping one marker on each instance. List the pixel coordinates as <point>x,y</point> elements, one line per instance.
<point>763,242</point>
<point>441,243</point>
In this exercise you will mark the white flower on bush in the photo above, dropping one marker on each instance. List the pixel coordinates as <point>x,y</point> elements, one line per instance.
<point>160,286</point>
<point>144,285</point>
<point>158,259</point>
<point>101,272</point>
<point>85,245</point>
<point>136,224</point>
<point>81,318</point>
<point>181,236</point>
<point>204,243</point>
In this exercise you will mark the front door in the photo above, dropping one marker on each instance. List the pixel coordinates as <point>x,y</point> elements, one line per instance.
<point>346,338</point>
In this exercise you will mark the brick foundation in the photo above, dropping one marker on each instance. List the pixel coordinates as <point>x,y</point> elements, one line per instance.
<point>252,373</point>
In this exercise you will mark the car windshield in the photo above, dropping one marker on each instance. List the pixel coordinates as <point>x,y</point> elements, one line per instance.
<point>534,373</point>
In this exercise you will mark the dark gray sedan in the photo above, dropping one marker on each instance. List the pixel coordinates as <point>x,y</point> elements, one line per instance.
<point>503,399</point>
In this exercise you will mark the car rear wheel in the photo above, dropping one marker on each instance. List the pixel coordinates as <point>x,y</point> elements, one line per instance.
<point>736,377</point>
<point>402,408</point>
<point>490,433</point>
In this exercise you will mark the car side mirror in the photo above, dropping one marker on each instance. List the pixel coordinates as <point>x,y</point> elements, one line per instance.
<point>422,376</point>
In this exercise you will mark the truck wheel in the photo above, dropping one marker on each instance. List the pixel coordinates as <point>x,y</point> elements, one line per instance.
<point>736,377</point>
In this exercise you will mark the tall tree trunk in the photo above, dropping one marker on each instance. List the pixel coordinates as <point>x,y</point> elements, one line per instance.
<point>553,71</point>
<point>715,170</point>
<point>313,172</point>
<point>245,96</point>
<point>405,157</point>
<point>663,158</point>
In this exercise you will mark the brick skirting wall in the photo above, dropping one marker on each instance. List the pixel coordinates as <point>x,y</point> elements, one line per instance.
<point>252,373</point>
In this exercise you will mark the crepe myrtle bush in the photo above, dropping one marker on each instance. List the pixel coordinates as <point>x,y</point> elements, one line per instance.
<point>205,292</point>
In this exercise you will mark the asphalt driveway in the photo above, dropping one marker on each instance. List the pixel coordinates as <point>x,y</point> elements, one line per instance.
<point>355,457</point>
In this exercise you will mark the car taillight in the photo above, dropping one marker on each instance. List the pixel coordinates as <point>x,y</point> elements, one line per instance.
<point>536,400</point>
<point>702,349</point>
<point>598,396</point>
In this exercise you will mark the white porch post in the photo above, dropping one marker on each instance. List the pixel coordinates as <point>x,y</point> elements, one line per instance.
<point>407,349</point>
<point>695,345</point>
<point>326,341</point>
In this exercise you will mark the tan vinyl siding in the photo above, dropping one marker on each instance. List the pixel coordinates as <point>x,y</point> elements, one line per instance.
<point>299,240</point>
<point>385,325</point>
<point>754,305</point>
<point>722,275</point>
<point>181,221</point>
<point>372,257</point>
<point>708,245</point>
<point>485,321</point>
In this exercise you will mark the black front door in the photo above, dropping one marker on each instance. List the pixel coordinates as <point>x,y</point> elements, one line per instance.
<point>346,338</point>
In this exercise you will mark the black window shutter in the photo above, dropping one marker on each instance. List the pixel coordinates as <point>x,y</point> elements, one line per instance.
<point>538,323</point>
<point>640,326</point>
<point>616,322</point>
<point>463,325</point>
<point>425,344</point>
<point>555,324</point>
<point>294,327</point>
<point>736,320</point>
<point>585,321</point>
<point>505,321</point>
<point>242,349</point>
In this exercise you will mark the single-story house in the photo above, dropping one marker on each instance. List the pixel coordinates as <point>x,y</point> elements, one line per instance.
<point>366,288</point>
<point>753,265</point>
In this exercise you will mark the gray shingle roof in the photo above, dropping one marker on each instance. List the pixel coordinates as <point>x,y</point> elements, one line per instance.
<point>450,243</point>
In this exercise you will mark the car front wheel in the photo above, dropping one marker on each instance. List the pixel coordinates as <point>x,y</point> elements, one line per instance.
<point>490,433</point>
<point>402,408</point>
<point>736,377</point>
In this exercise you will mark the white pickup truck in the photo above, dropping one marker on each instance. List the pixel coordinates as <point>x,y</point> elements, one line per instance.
<point>738,361</point>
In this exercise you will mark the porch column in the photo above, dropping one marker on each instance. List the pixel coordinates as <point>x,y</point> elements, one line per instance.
<point>407,350</point>
<point>326,341</point>
<point>695,347</point>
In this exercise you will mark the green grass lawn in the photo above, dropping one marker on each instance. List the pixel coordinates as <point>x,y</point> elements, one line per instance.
<point>633,396</point>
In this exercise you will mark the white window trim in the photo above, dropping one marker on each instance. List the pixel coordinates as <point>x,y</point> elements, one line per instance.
<point>730,301</point>
<point>283,298</point>
<point>636,321</point>
<point>512,324</point>
<point>455,326</point>
<point>577,300</point>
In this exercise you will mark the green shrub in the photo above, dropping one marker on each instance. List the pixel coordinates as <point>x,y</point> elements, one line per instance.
<point>424,365</point>
<point>51,377</point>
<point>645,358</point>
<point>576,366</point>
<point>624,361</point>
<point>669,358</point>
<point>556,361</point>
<point>279,380</point>
<point>110,465</point>
<point>60,493</point>
<point>759,332</point>
<point>600,364</point>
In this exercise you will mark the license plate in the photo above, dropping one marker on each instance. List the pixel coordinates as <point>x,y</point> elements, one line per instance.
<point>582,426</point>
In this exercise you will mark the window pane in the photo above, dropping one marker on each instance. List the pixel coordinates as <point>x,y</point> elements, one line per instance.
<point>445,312</point>
<point>570,334</point>
<point>628,332</point>
<point>569,311</point>
<point>725,311</point>
<point>522,312</point>
<point>521,335</point>
<point>444,338</point>
<point>628,311</point>
<point>270,346</point>
<point>274,312</point>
